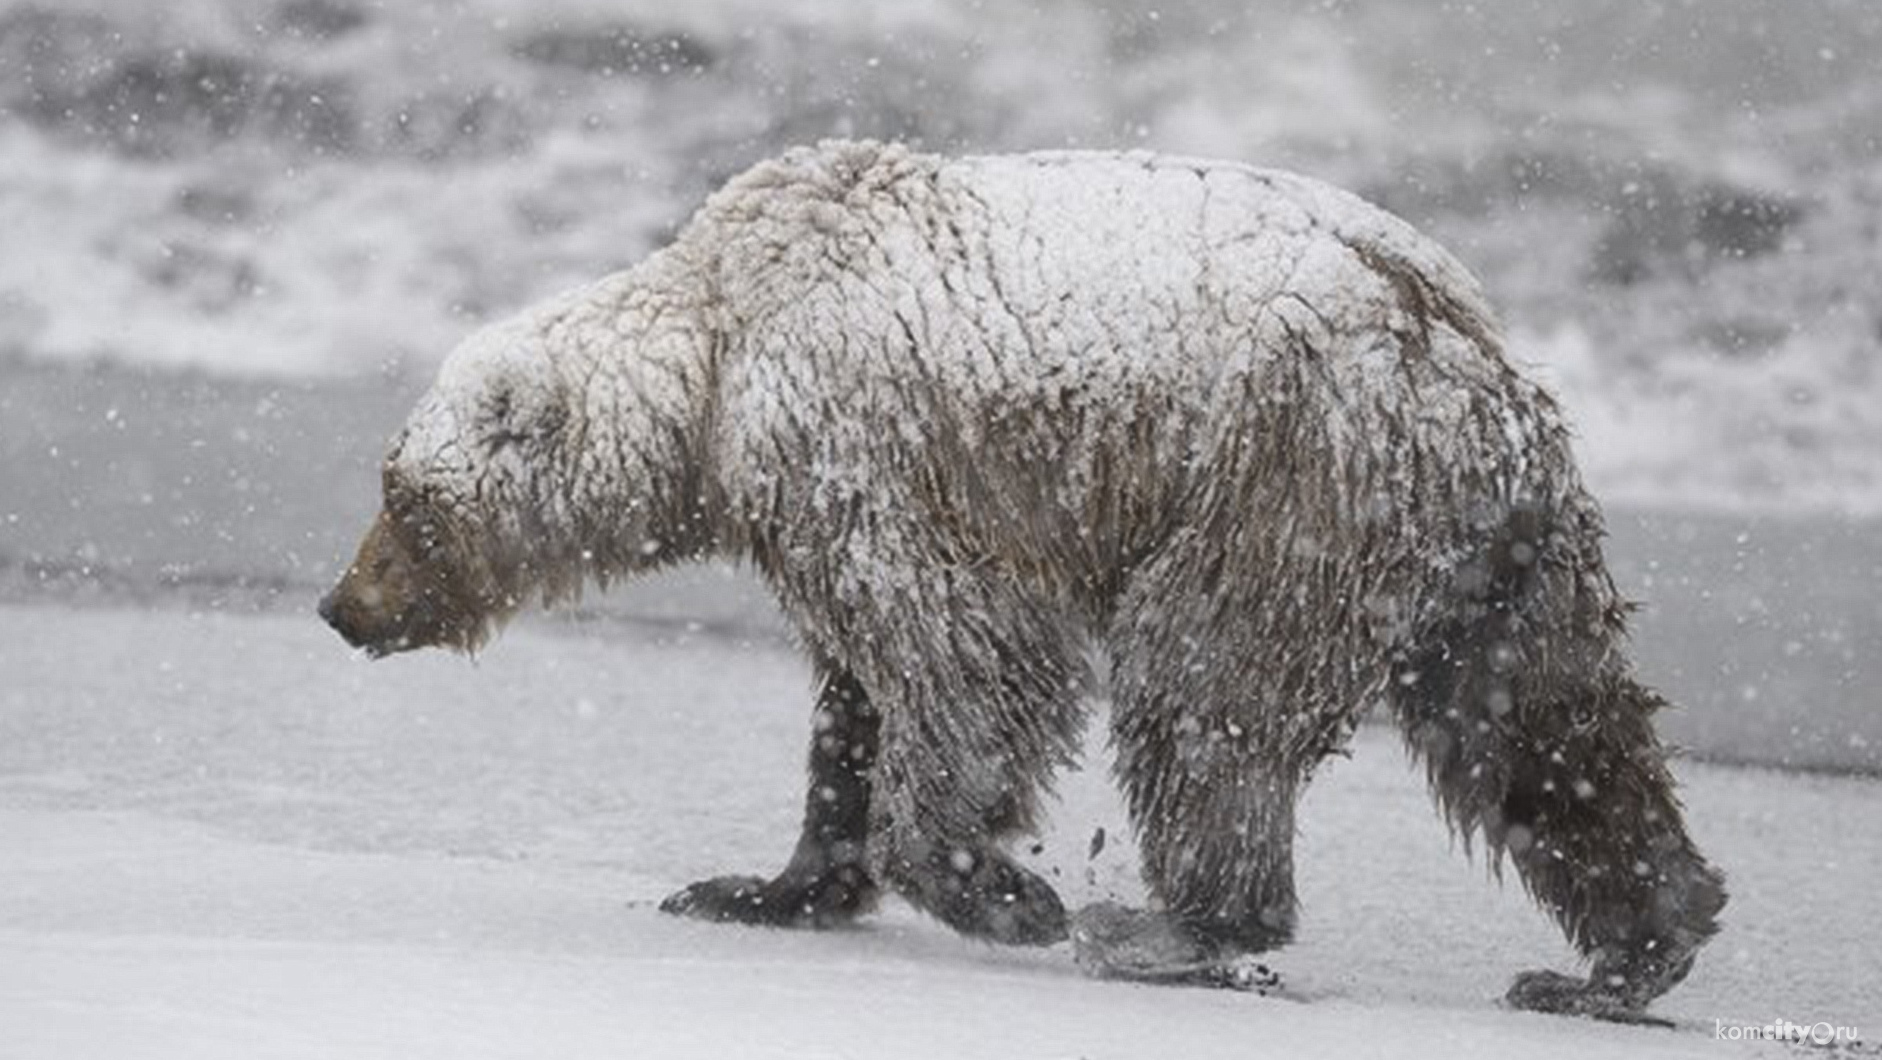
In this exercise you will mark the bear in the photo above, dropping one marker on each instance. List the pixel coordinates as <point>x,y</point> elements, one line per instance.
<point>1230,445</point>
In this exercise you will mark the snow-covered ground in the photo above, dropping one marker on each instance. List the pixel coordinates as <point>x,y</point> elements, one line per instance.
<point>226,836</point>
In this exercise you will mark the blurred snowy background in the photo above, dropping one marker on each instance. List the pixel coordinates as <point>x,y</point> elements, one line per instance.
<point>241,234</point>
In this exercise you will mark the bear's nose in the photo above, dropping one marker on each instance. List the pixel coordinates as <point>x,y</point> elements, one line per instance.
<point>334,615</point>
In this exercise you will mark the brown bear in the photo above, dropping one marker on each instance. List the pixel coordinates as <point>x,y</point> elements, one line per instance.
<point>1249,440</point>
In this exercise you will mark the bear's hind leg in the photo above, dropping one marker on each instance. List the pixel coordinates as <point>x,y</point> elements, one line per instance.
<point>1534,733</point>
<point>1214,813</point>
<point>1223,701</point>
<point>827,881</point>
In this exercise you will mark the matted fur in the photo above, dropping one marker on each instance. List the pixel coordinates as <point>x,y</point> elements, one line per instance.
<point>1253,438</point>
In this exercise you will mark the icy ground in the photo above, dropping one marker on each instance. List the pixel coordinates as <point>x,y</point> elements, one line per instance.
<point>225,837</point>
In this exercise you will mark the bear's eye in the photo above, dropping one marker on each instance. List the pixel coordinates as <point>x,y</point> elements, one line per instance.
<point>391,483</point>
<point>503,438</point>
<point>510,427</point>
<point>505,428</point>
<point>398,495</point>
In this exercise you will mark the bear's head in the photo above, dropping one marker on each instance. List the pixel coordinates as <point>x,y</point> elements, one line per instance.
<point>470,521</point>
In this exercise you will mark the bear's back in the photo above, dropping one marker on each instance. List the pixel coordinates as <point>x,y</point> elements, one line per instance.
<point>1015,284</point>
<point>1078,350</point>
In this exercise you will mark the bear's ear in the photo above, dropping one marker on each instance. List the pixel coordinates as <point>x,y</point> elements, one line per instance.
<point>500,404</point>
<point>553,417</point>
<point>499,420</point>
<point>510,419</point>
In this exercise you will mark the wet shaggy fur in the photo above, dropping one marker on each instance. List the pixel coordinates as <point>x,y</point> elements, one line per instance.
<point>1252,439</point>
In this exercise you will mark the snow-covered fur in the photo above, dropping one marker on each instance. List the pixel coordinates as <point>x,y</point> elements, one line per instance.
<point>1252,438</point>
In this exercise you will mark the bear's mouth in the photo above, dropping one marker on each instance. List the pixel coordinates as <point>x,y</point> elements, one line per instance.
<point>381,650</point>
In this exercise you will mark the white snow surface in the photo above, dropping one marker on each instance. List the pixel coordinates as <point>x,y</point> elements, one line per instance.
<point>227,838</point>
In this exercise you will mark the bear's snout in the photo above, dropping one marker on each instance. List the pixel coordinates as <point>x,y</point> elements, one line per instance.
<point>377,604</point>
<point>361,617</point>
<point>332,614</point>
<point>390,600</point>
<point>348,620</point>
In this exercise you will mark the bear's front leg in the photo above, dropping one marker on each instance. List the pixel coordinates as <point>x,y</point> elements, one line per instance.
<point>827,882</point>
<point>969,746</point>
